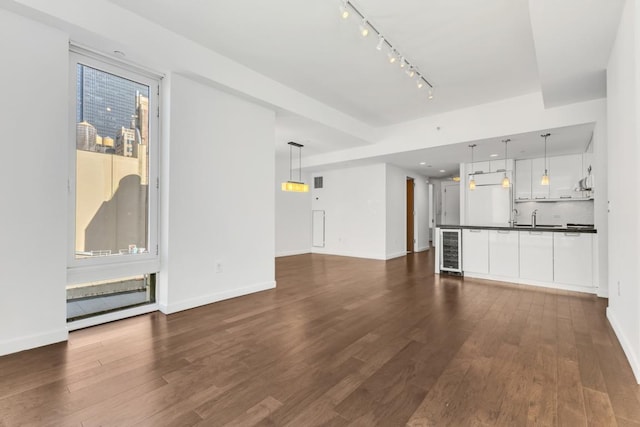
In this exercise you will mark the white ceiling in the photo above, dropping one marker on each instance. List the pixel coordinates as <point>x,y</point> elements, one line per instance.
<point>473,52</point>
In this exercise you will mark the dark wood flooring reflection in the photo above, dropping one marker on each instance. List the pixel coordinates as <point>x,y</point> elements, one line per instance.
<point>340,342</point>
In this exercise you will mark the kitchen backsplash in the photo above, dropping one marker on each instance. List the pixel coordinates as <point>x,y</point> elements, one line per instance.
<point>556,213</point>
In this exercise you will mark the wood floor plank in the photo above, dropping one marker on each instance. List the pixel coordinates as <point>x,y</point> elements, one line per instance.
<point>341,341</point>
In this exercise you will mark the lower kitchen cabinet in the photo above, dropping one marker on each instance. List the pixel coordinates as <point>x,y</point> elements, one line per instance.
<point>573,259</point>
<point>475,251</point>
<point>503,253</point>
<point>536,256</point>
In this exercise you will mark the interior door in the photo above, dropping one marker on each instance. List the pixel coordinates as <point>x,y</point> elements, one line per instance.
<point>410,215</point>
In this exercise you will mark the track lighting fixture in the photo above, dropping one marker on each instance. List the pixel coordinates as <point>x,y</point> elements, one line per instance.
<point>364,29</point>
<point>344,10</point>
<point>346,7</point>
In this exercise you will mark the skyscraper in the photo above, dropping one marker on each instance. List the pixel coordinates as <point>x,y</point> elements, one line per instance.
<point>109,102</point>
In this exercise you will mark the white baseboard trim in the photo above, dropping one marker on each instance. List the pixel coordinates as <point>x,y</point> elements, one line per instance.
<point>32,341</point>
<point>396,255</point>
<point>351,254</point>
<point>624,342</point>
<point>519,281</point>
<point>215,297</point>
<point>292,253</point>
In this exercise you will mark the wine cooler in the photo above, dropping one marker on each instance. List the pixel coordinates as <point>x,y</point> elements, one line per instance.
<point>451,251</point>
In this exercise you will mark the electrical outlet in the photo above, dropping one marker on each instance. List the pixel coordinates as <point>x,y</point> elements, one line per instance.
<point>218,266</point>
<point>618,287</point>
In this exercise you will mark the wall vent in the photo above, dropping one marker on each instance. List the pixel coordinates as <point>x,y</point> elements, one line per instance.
<point>317,182</point>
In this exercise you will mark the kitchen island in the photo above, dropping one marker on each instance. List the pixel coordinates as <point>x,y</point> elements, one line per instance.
<point>559,257</point>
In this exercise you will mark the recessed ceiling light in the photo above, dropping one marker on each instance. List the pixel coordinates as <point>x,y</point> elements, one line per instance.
<point>442,171</point>
<point>493,155</point>
<point>423,163</point>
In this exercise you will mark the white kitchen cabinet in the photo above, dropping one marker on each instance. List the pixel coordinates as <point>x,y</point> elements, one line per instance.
<point>573,259</point>
<point>475,251</point>
<point>501,165</point>
<point>503,253</point>
<point>538,191</point>
<point>564,174</point>
<point>536,256</point>
<point>523,180</point>
<point>484,167</point>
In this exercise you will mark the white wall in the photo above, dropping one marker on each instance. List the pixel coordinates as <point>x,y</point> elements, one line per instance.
<point>355,211</point>
<point>396,201</point>
<point>421,205</point>
<point>33,184</point>
<point>219,203</point>
<point>293,212</point>
<point>623,88</point>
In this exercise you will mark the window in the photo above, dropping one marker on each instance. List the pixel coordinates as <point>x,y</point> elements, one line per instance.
<point>113,180</point>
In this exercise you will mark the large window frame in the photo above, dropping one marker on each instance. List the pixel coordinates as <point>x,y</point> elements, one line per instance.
<point>109,267</point>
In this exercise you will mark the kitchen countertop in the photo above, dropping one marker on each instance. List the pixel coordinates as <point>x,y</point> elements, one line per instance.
<point>523,227</point>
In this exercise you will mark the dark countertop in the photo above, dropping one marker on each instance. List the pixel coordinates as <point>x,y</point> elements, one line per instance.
<point>557,229</point>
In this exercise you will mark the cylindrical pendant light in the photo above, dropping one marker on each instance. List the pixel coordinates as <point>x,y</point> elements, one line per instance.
<point>505,181</point>
<point>472,181</point>
<point>545,177</point>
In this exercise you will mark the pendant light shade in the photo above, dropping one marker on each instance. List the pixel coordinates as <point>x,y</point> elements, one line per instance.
<point>472,181</point>
<point>545,177</point>
<point>291,185</point>
<point>506,183</point>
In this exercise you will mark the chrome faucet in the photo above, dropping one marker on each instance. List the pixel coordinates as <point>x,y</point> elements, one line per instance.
<point>533,217</point>
<point>513,221</point>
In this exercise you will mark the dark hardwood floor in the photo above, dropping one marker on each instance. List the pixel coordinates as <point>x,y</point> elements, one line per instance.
<point>340,342</point>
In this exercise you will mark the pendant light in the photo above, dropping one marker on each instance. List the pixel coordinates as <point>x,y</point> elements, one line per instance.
<point>295,186</point>
<point>545,177</point>
<point>472,181</point>
<point>505,181</point>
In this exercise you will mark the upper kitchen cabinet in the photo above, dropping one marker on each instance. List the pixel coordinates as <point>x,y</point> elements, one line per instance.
<point>564,174</point>
<point>523,180</point>
<point>539,191</point>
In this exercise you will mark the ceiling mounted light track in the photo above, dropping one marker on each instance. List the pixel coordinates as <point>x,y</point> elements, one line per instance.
<point>366,26</point>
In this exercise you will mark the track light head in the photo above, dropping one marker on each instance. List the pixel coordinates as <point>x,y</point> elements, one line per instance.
<point>380,42</point>
<point>364,28</point>
<point>403,62</point>
<point>411,72</point>
<point>430,95</point>
<point>344,10</point>
<point>420,82</point>
<point>392,57</point>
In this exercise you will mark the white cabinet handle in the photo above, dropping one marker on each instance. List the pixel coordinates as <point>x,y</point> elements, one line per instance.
<point>571,234</point>
<point>535,232</point>
<point>475,231</point>
<point>503,231</point>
